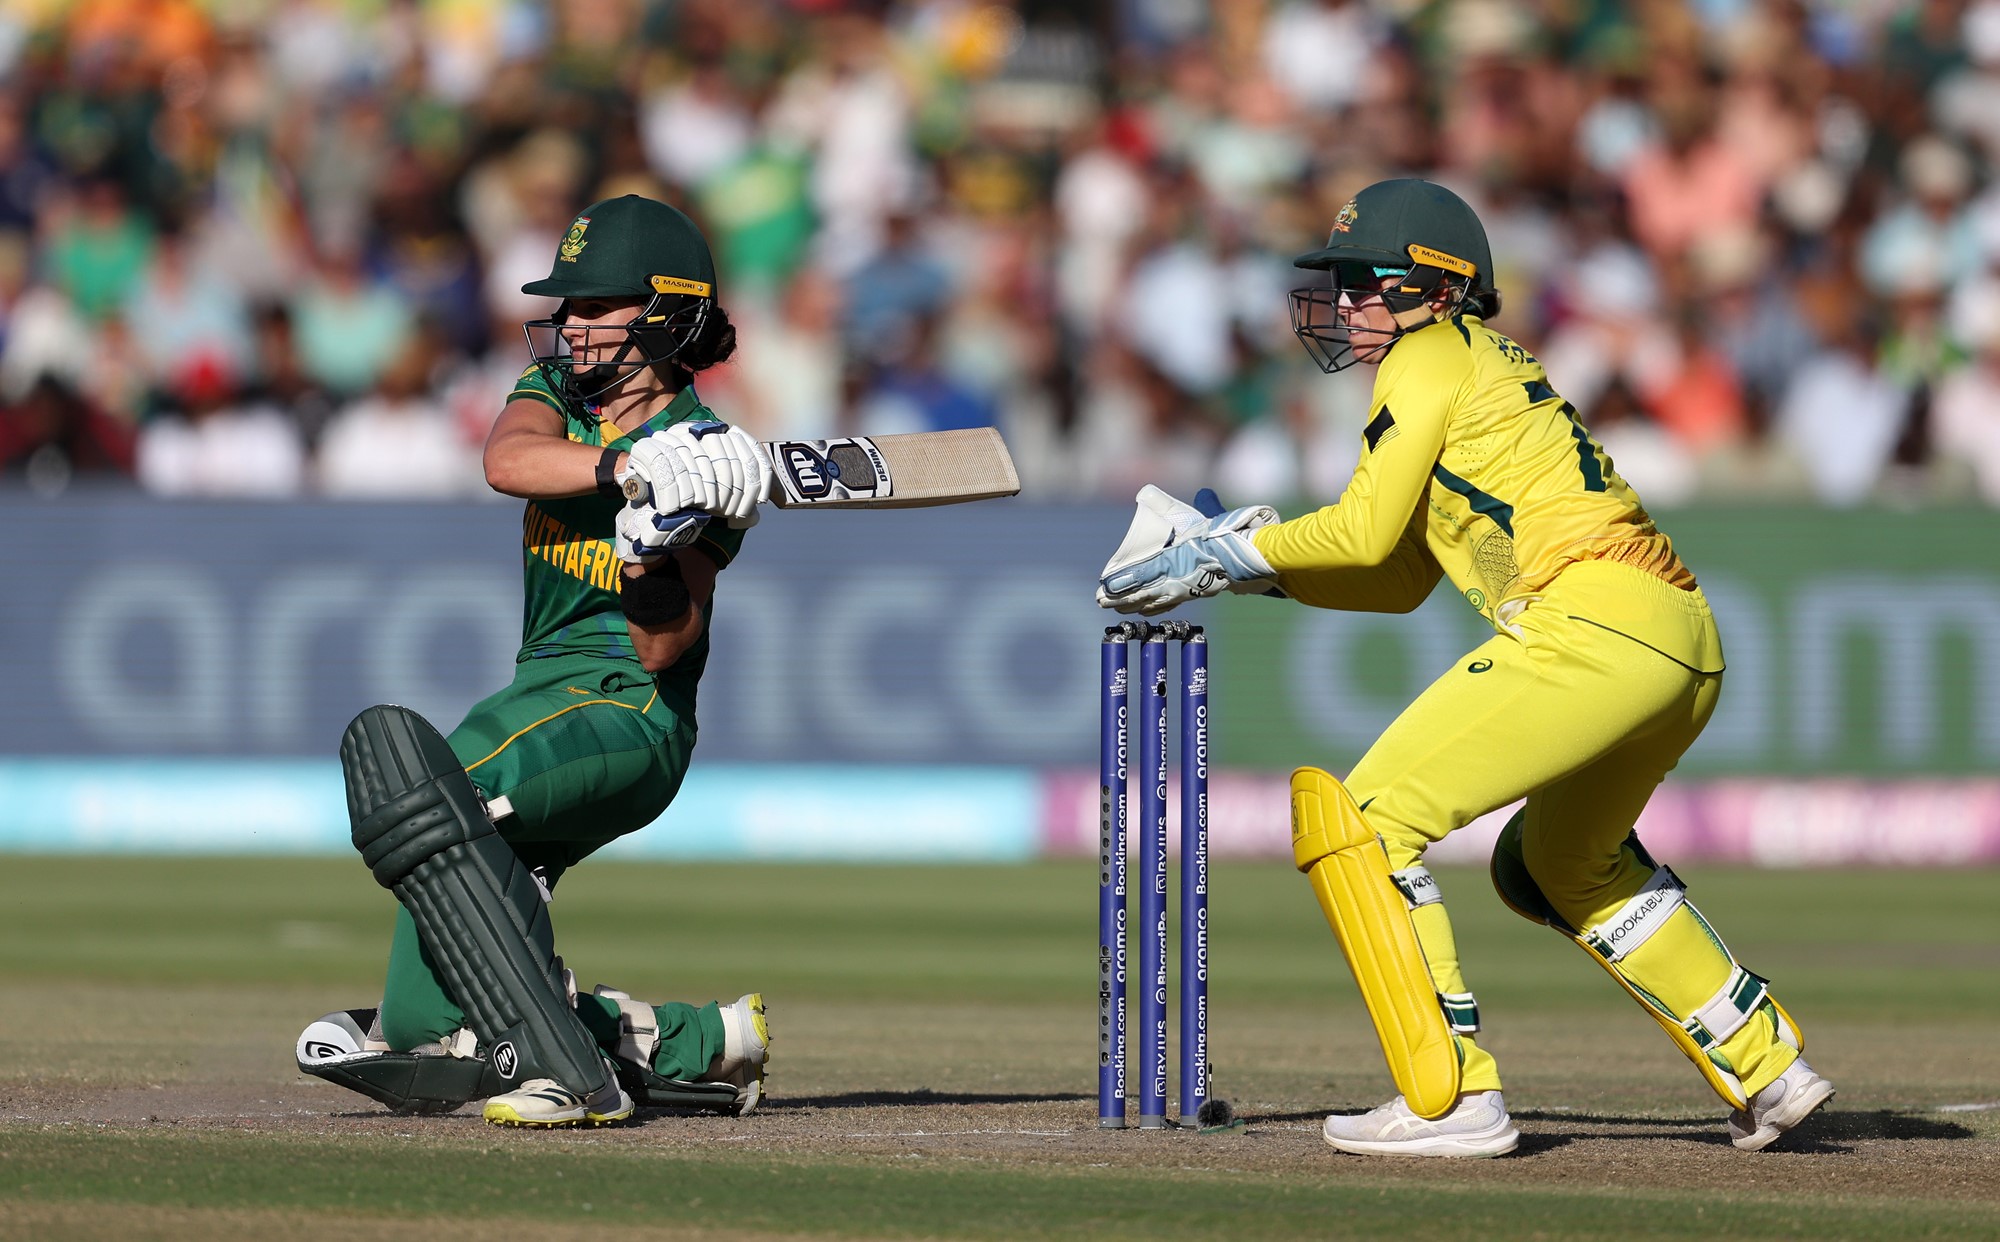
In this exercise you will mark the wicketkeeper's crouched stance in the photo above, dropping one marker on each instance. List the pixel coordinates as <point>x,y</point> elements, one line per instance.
<point>1584,722</point>
<point>1604,668</point>
<point>592,738</point>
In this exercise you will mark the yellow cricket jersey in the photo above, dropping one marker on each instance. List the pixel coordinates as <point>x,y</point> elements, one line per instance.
<point>1474,469</point>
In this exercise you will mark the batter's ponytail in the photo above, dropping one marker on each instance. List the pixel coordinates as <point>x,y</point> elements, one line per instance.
<point>714,345</point>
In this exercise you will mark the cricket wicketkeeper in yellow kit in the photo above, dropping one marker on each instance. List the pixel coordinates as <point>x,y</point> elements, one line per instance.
<point>1604,666</point>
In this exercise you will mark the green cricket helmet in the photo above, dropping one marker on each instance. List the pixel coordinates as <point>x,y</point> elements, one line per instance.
<point>623,248</point>
<point>1415,231</point>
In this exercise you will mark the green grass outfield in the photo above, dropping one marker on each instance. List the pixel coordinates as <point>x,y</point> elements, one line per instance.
<point>912,1006</point>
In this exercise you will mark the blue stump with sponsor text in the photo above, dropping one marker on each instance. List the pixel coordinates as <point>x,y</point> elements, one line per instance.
<point>1149,716</point>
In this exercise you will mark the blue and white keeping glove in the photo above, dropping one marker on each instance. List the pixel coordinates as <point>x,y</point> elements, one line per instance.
<point>644,534</point>
<point>705,465</point>
<point>1174,553</point>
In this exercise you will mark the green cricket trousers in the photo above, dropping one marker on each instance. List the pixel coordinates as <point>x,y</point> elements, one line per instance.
<point>586,751</point>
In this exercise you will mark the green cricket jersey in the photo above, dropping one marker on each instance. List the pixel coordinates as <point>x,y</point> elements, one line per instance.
<point>572,567</point>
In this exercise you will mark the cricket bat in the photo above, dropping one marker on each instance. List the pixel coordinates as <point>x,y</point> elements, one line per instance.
<point>909,471</point>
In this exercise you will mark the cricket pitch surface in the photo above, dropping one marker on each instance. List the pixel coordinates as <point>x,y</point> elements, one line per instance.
<point>933,1069</point>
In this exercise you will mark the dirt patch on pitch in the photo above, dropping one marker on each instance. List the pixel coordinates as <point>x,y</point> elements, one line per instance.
<point>1895,1154</point>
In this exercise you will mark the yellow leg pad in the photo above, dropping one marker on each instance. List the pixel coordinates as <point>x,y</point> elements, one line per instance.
<point>1517,888</point>
<point>1725,1084</point>
<point>1349,872</point>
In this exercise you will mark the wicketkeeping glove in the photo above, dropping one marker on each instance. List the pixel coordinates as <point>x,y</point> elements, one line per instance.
<point>1174,553</point>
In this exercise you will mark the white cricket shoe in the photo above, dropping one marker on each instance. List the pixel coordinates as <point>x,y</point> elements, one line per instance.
<point>1477,1127</point>
<point>746,1049</point>
<point>1791,1098</point>
<point>544,1103</point>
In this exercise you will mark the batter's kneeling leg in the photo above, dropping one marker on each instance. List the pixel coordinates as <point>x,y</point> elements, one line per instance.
<point>638,1040</point>
<point>422,829</point>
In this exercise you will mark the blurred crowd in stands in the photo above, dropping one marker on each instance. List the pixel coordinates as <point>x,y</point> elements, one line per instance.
<point>274,249</point>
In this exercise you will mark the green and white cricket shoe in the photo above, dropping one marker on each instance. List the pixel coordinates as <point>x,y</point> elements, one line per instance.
<point>746,1050</point>
<point>544,1103</point>
<point>1791,1097</point>
<point>1477,1127</point>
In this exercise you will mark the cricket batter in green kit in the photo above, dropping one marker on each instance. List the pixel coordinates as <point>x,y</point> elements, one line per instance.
<point>591,739</point>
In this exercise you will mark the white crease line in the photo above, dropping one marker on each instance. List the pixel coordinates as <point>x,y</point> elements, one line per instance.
<point>1969,1108</point>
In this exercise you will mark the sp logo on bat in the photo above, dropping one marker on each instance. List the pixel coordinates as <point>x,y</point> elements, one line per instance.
<point>811,474</point>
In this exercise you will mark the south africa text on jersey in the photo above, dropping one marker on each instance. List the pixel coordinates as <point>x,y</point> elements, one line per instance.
<point>591,560</point>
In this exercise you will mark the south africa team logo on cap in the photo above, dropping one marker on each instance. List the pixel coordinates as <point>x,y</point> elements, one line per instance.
<point>573,244</point>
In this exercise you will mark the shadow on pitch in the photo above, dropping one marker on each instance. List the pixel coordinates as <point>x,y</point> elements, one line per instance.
<point>1826,1132</point>
<point>922,1095</point>
<point>1571,1116</point>
<point>1884,1123</point>
<point>1845,1126</point>
<point>1316,1115</point>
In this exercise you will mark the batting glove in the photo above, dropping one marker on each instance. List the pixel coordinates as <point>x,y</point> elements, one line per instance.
<point>705,465</point>
<point>644,534</point>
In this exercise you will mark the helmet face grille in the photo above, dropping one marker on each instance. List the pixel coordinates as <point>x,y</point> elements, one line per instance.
<point>1316,322</point>
<point>1333,343</point>
<point>664,327</point>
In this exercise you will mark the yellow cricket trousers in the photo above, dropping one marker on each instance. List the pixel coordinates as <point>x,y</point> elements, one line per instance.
<point>1583,710</point>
